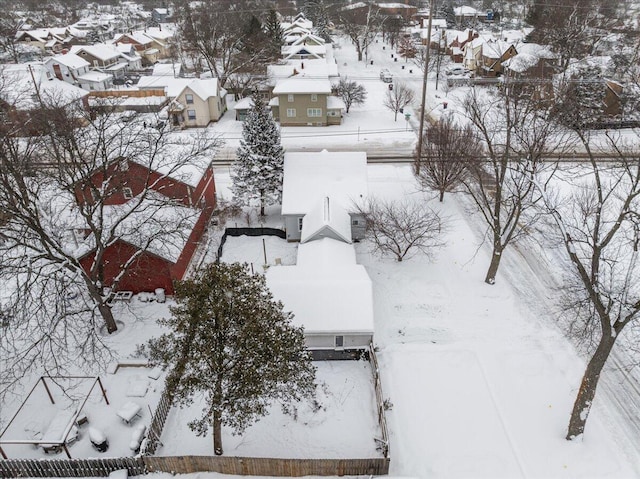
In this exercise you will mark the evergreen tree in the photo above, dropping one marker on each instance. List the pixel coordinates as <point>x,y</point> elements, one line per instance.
<point>257,173</point>
<point>274,34</point>
<point>230,342</point>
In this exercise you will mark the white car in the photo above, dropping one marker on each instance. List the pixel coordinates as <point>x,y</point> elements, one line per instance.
<point>386,76</point>
<point>457,71</point>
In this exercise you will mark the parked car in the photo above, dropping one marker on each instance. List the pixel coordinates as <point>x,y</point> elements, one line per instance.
<point>386,76</point>
<point>457,71</point>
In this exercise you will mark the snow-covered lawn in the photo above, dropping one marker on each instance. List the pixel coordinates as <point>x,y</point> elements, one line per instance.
<point>343,425</point>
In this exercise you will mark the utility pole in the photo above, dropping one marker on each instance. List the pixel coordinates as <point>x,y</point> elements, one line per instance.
<point>424,87</point>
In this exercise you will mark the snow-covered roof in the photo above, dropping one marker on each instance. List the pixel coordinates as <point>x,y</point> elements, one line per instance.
<point>18,86</point>
<point>244,103</point>
<point>101,51</point>
<point>308,68</point>
<point>70,60</point>
<point>308,176</point>
<point>328,217</point>
<point>136,36</point>
<point>394,5</point>
<point>317,51</point>
<point>162,34</point>
<point>302,85</point>
<point>308,37</point>
<point>495,48</point>
<point>203,88</point>
<point>173,86</point>
<point>150,221</point>
<point>335,103</point>
<point>326,293</point>
<point>167,69</point>
<point>465,11</point>
<point>95,76</point>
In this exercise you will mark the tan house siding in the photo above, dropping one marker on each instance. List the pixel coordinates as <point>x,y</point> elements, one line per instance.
<point>206,111</point>
<point>301,103</point>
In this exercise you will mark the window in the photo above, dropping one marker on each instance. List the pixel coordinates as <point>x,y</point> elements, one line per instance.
<point>290,98</point>
<point>299,224</point>
<point>189,98</point>
<point>291,112</point>
<point>355,222</point>
<point>314,97</point>
<point>339,341</point>
<point>314,112</point>
<point>126,191</point>
<point>191,114</point>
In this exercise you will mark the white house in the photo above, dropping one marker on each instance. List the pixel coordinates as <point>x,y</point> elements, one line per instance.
<point>310,179</point>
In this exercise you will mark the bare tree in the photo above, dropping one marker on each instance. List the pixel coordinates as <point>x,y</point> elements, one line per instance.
<point>406,48</point>
<point>223,37</point>
<point>360,26</point>
<point>401,228</point>
<point>9,26</point>
<point>599,224</point>
<point>571,28</point>
<point>447,149</point>
<point>62,194</point>
<point>515,135</point>
<point>398,99</point>
<point>351,92</point>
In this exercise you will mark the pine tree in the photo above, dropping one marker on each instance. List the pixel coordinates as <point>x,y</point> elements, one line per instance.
<point>257,173</point>
<point>274,34</point>
<point>232,344</point>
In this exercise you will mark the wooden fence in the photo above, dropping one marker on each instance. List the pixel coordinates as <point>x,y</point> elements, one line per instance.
<point>70,467</point>
<point>158,418</point>
<point>262,466</point>
<point>382,417</point>
<point>246,466</point>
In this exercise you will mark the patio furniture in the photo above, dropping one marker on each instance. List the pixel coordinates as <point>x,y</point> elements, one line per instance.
<point>129,411</point>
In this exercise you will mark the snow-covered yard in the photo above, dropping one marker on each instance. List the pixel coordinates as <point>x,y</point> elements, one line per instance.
<point>481,378</point>
<point>342,424</point>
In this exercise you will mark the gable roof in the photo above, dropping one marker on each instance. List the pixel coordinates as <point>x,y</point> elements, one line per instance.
<point>101,51</point>
<point>308,176</point>
<point>204,88</point>
<point>327,219</point>
<point>70,60</point>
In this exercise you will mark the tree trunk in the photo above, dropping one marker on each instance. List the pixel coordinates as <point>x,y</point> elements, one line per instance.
<point>395,117</point>
<point>107,316</point>
<point>217,433</point>
<point>441,196</point>
<point>587,391</point>
<point>262,202</point>
<point>493,267</point>
<point>105,310</point>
